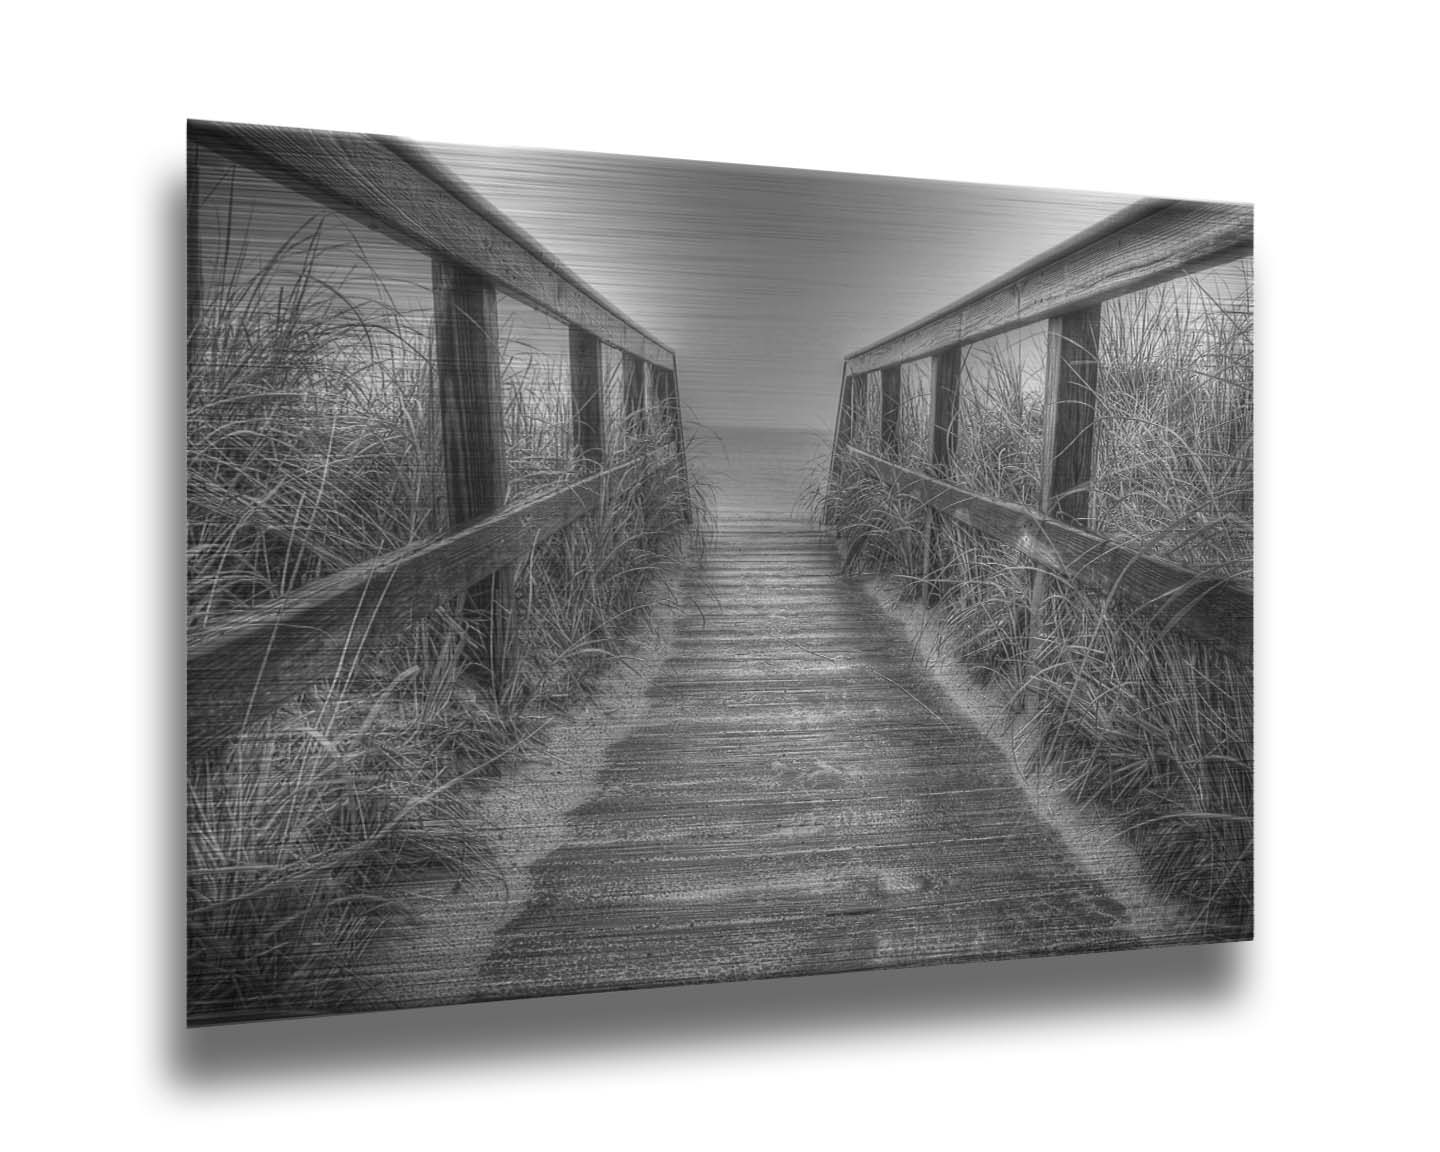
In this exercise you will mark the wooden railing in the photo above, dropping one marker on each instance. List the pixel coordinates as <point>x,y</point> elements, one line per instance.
<point>251,664</point>
<point>1149,243</point>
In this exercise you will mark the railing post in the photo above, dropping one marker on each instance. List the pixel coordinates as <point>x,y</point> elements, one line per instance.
<point>945,384</point>
<point>844,426</point>
<point>945,392</point>
<point>587,399</point>
<point>1071,376</point>
<point>1072,371</point>
<point>846,414</point>
<point>194,269</point>
<point>868,430</point>
<point>633,385</point>
<point>890,412</point>
<point>472,431</point>
<point>668,393</point>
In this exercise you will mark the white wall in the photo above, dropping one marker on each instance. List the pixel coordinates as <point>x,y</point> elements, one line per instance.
<point>1317,1035</point>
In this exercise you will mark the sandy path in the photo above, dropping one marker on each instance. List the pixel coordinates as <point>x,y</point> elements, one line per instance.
<point>436,955</point>
<point>773,783</point>
<point>794,795</point>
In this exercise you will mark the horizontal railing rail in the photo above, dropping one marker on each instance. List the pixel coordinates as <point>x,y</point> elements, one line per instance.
<point>1215,609</point>
<point>245,668</point>
<point>395,188</point>
<point>1149,243</point>
<point>1146,244</point>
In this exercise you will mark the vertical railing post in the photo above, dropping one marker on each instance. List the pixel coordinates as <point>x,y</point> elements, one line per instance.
<point>632,370</point>
<point>1071,378</point>
<point>890,412</point>
<point>1072,374</point>
<point>194,270</point>
<point>587,398</point>
<point>668,393</point>
<point>945,392</point>
<point>844,432</point>
<point>842,417</point>
<point>861,428</point>
<point>945,386</point>
<point>472,432</point>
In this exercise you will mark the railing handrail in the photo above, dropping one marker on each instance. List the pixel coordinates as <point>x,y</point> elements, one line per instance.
<point>1144,244</point>
<point>1216,609</point>
<point>249,664</point>
<point>394,187</point>
<point>1149,242</point>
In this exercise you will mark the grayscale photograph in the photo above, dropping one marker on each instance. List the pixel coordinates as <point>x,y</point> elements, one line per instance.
<point>608,572</point>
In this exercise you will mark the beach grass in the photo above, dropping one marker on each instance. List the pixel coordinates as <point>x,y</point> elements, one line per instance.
<point>312,446</point>
<point>1141,722</point>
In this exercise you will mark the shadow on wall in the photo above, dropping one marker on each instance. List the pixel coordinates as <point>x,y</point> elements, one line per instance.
<point>913,1002</point>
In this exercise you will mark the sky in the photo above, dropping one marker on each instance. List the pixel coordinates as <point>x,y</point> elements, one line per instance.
<point>762,279</point>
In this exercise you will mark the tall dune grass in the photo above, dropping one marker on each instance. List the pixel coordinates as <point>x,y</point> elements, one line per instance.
<point>1145,724</point>
<point>311,446</point>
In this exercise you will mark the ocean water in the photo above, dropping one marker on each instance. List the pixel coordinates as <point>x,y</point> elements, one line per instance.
<point>760,470</point>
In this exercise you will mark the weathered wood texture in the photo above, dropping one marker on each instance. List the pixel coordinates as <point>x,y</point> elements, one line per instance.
<point>244,669</point>
<point>467,370</point>
<point>194,267</point>
<point>1072,372</point>
<point>1215,610</point>
<point>851,401</point>
<point>945,388</point>
<point>798,796</point>
<point>890,410</point>
<point>633,389</point>
<point>392,186</point>
<point>1143,245</point>
<point>847,414</point>
<point>945,374</point>
<point>667,391</point>
<point>586,396</point>
<point>472,430</point>
<point>668,404</point>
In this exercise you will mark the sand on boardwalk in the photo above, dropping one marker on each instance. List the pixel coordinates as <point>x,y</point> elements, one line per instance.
<point>437,955</point>
<point>1098,842</point>
<point>433,954</point>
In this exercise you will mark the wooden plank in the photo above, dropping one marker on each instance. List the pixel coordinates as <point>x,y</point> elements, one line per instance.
<point>472,431</point>
<point>670,404</point>
<point>1216,610</point>
<point>796,797</point>
<point>845,419</point>
<point>945,386</point>
<point>858,425</point>
<point>633,386</point>
<point>945,370</point>
<point>392,186</point>
<point>194,268</point>
<point>852,409</point>
<point>587,397</point>
<point>467,364</point>
<point>890,410</point>
<point>844,427</point>
<point>1144,245</point>
<point>1072,373</point>
<point>664,410</point>
<point>246,668</point>
<point>668,391</point>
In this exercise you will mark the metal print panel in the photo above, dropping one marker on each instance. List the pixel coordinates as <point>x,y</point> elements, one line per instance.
<point>585,592</point>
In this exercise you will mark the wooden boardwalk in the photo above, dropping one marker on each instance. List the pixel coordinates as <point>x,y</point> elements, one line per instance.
<point>796,798</point>
<point>796,795</point>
